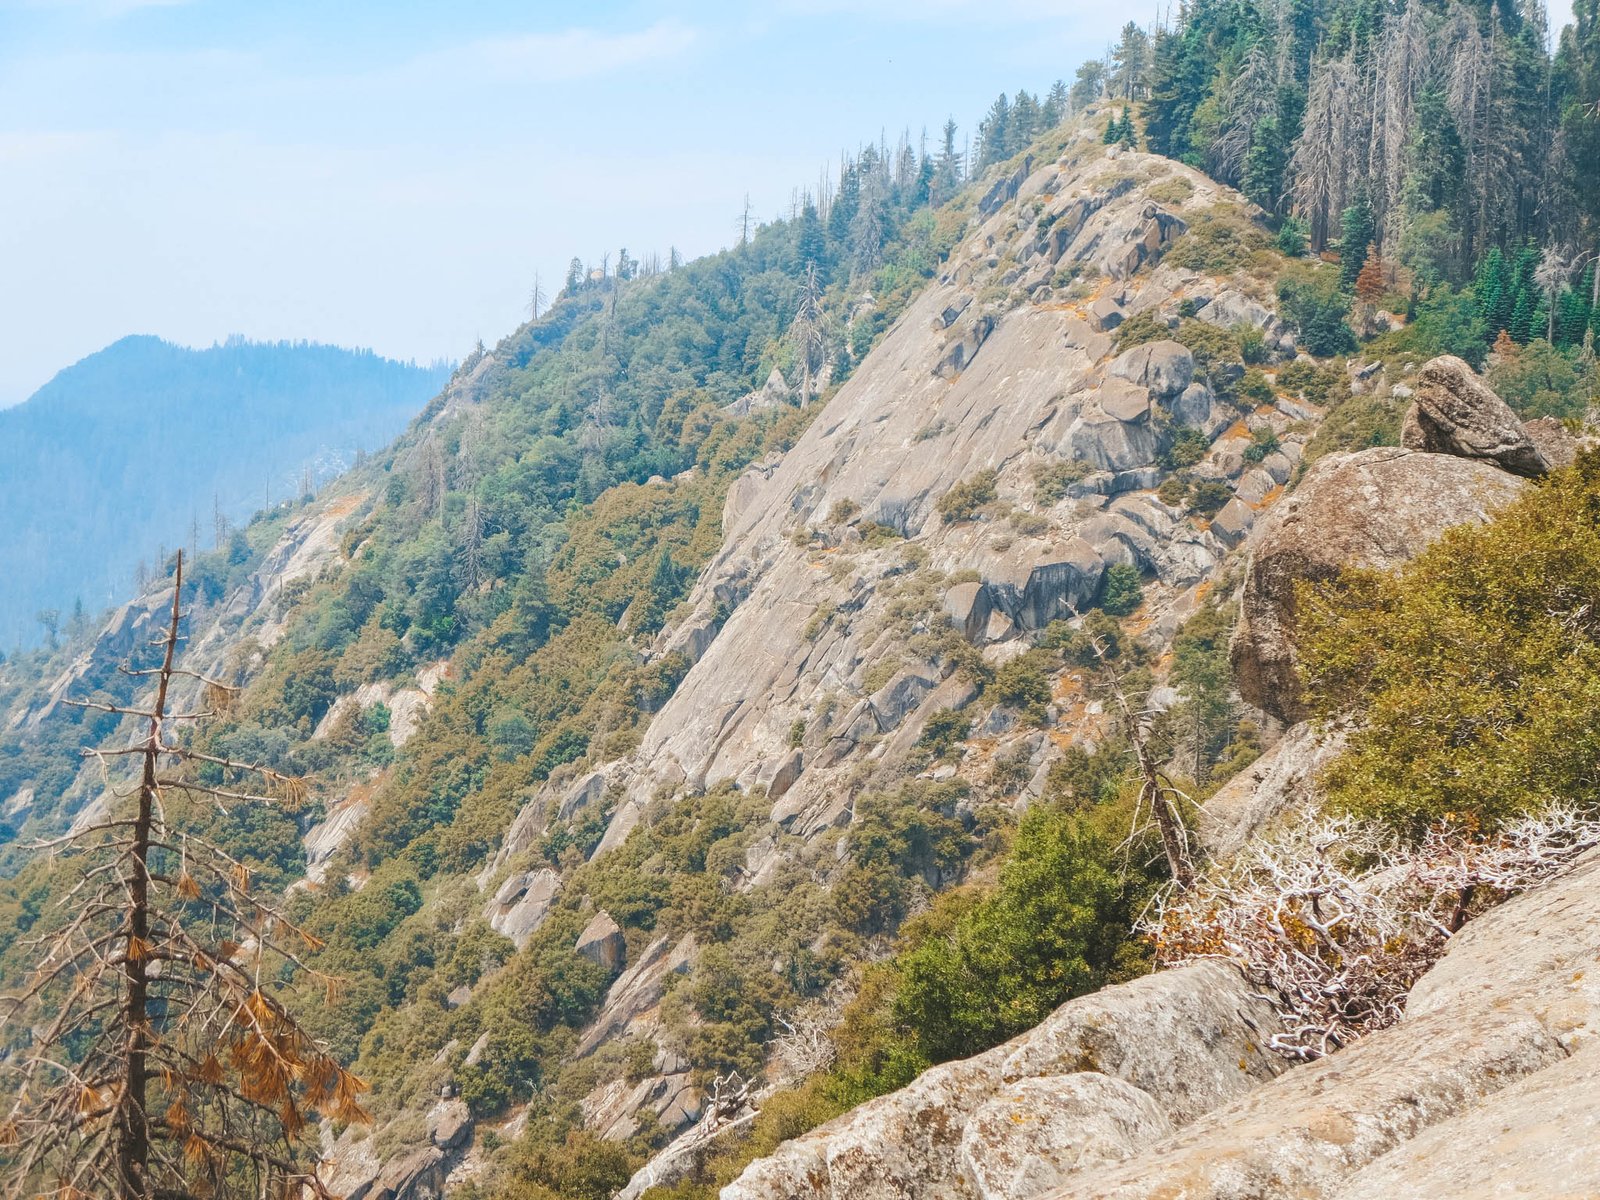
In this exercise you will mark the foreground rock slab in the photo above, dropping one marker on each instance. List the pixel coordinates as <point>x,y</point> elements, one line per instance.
<point>1105,1075</point>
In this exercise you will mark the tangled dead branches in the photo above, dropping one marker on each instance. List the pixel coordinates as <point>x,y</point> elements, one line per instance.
<point>1336,919</point>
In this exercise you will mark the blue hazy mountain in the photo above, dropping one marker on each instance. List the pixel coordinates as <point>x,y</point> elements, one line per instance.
<point>138,446</point>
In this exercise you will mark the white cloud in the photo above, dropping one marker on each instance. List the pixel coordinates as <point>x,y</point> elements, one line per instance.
<point>570,54</point>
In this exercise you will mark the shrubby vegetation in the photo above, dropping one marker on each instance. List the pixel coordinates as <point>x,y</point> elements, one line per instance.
<point>1471,673</point>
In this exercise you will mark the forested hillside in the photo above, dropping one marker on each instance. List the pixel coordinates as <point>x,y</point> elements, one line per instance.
<point>146,446</point>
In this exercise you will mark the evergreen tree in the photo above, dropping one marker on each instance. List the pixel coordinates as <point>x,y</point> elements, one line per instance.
<point>1357,232</point>
<point>811,243</point>
<point>994,132</point>
<point>1055,105</point>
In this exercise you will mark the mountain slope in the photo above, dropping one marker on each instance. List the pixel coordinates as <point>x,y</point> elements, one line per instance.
<point>125,452</point>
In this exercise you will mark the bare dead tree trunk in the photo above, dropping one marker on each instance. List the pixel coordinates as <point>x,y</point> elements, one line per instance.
<point>133,1124</point>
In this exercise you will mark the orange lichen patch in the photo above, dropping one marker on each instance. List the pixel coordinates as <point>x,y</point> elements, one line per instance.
<point>1269,499</point>
<point>343,506</point>
<point>1202,590</point>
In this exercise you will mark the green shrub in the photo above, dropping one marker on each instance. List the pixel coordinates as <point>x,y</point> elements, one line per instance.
<point>1317,308</point>
<point>1189,446</point>
<point>945,730</point>
<point>962,502</point>
<point>1221,240</point>
<point>1263,442</point>
<point>1056,926</point>
<point>1256,388</point>
<point>1472,676</point>
<point>1024,684</point>
<point>1052,479</point>
<point>1121,589</point>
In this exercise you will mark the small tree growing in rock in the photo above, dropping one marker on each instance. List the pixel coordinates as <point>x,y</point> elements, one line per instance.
<point>149,1056</point>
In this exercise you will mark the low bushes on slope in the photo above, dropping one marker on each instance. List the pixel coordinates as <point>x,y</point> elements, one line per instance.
<point>1472,676</point>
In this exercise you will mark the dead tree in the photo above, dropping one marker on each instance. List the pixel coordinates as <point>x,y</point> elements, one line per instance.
<point>148,1055</point>
<point>1158,795</point>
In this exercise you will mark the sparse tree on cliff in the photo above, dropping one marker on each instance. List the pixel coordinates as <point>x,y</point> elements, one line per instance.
<point>149,1054</point>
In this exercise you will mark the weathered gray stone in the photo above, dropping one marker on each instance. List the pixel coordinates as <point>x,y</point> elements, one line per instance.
<point>1377,508</point>
<point>1455,412</point>
<point>1189,1039</point>
<point>639,988</point>
<point>901,695</point>
<point>1304,1133</point>
<point>1193,406</point>
<point>522,903</point>
<point>1034,1133</point>
<point>1125,401</point>
<point>1283,777</point>
<point>1233,523</point>
<point>417,1175</point>
<point>450,1124</point>
<point>1539,1139</point>
<point>601,942</point>
<point>1106,314</point>
<point>969,608</point>
<point>1165,367</point>
<point>1557,446</point>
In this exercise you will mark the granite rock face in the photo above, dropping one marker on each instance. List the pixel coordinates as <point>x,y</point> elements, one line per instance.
<point>1377,508</point>
<point>1105,1075</point>
<point>1484,1089</point>
<point>1456,413</point>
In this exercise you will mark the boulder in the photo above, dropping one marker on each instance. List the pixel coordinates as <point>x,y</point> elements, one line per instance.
<point>1036,589</point>
<point>1106,314</point>
<point>1456,413</point>
<point>968,607</point>
<point>1233,523</point>
<point>901,695</point>
<point>522,903</point>
<point>416,1175</point>
<point>1304,1133</point>
<point>1032,1134</point>
<point>1184,1040</point>
<point>1124,400</point>
<point>450,1124</point>
<point>1193,406</point>
<point>1283,777</point>
<point>1376,508</point>
<point>1550,436</point>
<point>1165,367</point>
<point>1539,1139</point>
<point>602,943</point>
<point>1484,1087</point>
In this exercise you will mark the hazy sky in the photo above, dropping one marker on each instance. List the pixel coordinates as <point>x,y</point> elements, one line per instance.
<point>392,174</point>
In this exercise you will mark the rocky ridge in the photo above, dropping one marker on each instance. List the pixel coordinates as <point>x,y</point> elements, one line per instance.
<point>1495,1037</point>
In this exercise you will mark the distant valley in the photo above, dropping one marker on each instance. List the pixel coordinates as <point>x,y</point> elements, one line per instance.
<point>146,446</point>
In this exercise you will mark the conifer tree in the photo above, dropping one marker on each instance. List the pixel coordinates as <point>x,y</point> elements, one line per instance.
<point>150,1055</point>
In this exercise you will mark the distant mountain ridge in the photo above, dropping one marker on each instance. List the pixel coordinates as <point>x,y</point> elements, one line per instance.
<point>130,449</point>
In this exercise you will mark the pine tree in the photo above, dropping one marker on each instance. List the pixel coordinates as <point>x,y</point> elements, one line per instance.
<point>995,132</point>
<point>1357,231</point>
<point>159,1058</point>
<point>1371,283</point>
<point>1054,108</point>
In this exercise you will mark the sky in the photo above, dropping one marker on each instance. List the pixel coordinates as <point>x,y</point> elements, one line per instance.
<point>393,175</point>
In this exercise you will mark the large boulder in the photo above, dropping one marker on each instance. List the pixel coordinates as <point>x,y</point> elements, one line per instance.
<point>1377,508</point>
<point>602,943</point>
<point>1484,1088</point>
<point>1104,1076</point>
<point>1456,413</point>
<point>1034,1133</point>
<point>1165,367</point>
